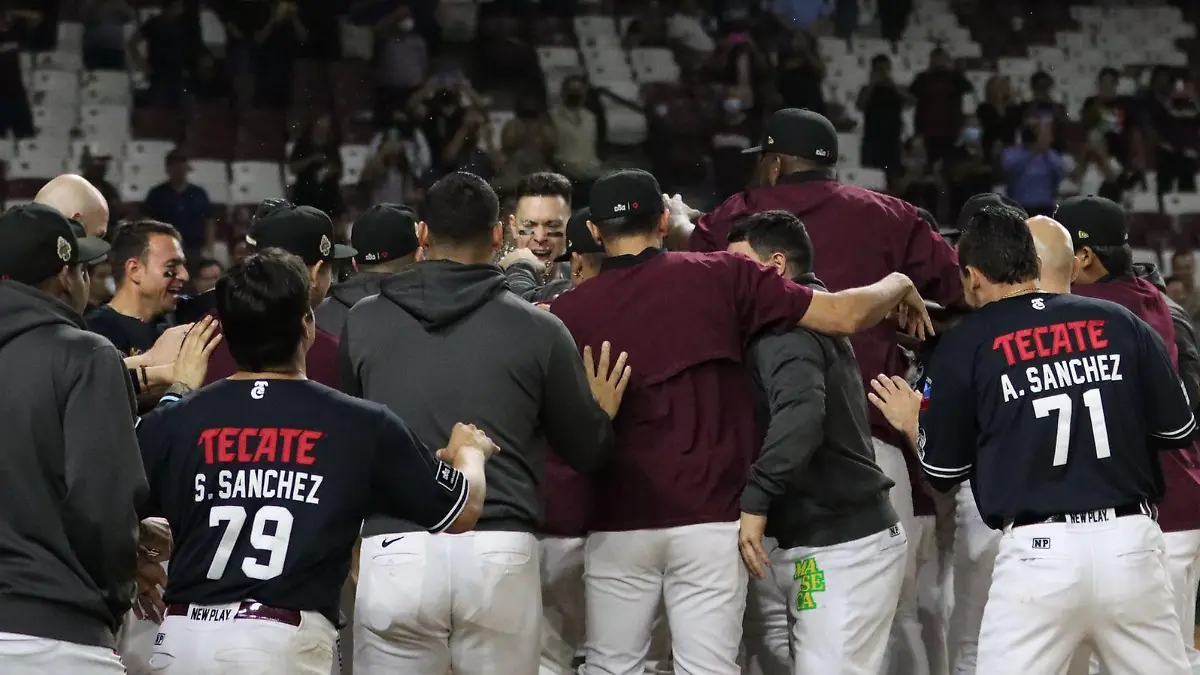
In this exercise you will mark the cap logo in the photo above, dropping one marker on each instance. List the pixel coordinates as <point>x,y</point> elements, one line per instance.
<point>250,240</point>
<point>770,140</point>
<point>370,256</point>
<point>821,153</point>
<point>620,208</point>
<point>326,245</point>
<point>1083,235</point>
<point>64,249</point>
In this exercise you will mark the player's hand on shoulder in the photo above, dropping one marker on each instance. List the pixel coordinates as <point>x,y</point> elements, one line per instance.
<point>166,347</point>
<point>465,436</point>
<point>191,365</point>
<point>608,380</point>
<point>900,405</point>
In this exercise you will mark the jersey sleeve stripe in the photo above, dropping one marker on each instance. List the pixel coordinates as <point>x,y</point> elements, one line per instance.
<point>1181,432</point>
<point>460,503</point>
<point>939,472</point>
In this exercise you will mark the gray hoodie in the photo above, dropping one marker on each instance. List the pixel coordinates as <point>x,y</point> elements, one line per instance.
<point>71,476</point>
<point>331,313</point>
<point>444,343</point>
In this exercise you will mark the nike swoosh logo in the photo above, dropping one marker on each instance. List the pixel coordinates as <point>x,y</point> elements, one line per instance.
<point>388,542</point>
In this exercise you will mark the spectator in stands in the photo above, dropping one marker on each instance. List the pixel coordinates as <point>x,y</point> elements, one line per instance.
<point>1033,169</point>
<point>205,273</point>
<point>393,173</point>
<point>686,28</point>
<point>882,104</point>
<point>1172,116</point>
<point>1183,268</point>
<point>94,167</point>
<point>211,83</point>
<point>101,284</point>
<point>968,170</point>
<point>402,61</point>
<point>804,15</point>
<point>741,65</point>
<point>996,116</point>
<point>16,118</point>
<point>104,33</point>
<point>241,18</point>
<point>526,141</point>
<point>801,73</point>
<point>1043,105</point>
<point>576,141</point>
<point>939,93</point>
<point>182,204</point>
<point>918,180</point>
<point>734,133</point>
<point>316,162</point>
<point>647,28</point>
<point>170,54</point>
<point>277,40</point>
<point>893,19</point>
<point>1107,118</point>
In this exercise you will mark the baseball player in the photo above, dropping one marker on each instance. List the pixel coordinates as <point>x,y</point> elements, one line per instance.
<point>976,544</point>
<point>266,477</point>
<point>815,488</point>
<point>1055,406</point>
<point>860,236</point>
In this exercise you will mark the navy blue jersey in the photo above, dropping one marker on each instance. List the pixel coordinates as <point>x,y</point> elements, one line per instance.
<point>266,484</point>
<point>1051,404</point>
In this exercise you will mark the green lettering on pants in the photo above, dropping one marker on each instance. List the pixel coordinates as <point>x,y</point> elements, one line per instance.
<point>812,580</point>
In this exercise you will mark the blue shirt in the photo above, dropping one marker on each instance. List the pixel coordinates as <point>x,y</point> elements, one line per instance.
<point>802,13</point>
<point>188,210</point>
<point>1032,178</point>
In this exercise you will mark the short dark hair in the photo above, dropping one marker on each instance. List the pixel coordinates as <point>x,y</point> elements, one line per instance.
<point>545,184</point>
<point>1108,71</point>
<point>461,208</point>
<point>262,303</point>
<point>1039,78</point>
<point>1117,260</point>
<point>132,239</point>
<point>881,58</point>
<point>776,231</point>
<point>998,243</point>
<point>625,226</point>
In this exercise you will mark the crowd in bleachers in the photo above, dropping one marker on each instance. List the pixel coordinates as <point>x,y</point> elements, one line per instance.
<point>187,111</point>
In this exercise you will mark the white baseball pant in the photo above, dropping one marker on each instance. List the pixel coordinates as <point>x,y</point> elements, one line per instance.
<point>135,643</point>
<point>975,547</point>
<point>30,655</point>
<point>766,629</point>
<point>1183,556</point>
<point>935,580</point>
<point>564,616</point>
<point>839,601</point>
<point>428,603</point>
<point>906,648</point>
<point>216,647</point>
<point>695,570</point>
<point>1059,585</point>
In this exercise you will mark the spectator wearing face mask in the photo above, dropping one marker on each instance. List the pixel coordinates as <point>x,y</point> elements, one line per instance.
<point>402,59</point>
<point>1032,168</point>
<point>734,134</point>
<point>401,159</point>
<point>967,168</point>
<point>882,104</point>
<point>576,140</point>
<point>1174,120</point>
<point>526,141</point>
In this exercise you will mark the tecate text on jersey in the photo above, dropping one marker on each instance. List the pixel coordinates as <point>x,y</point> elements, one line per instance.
<point>296,486</point>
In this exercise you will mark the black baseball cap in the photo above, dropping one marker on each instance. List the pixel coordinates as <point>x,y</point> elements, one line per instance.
<point>299,230</point>
<point>269,205</point>
<point>977,202</point>
<point>384,232</point>
<point>625,192</point>
<point>1093,221</point>
<point>579,237</point>
<point>39,241</point>
<point>800,133</point>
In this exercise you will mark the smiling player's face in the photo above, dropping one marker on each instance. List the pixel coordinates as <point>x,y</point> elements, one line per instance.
<point>540,225</point>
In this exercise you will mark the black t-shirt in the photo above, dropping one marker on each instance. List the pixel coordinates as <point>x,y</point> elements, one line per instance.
<point>166,46</point>
<point>266,484</point>
<point>130,335</point>
<point>1051,404</point>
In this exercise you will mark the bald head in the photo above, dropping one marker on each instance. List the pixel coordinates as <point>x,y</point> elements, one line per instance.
<point>76,198</point>
<point>1056,252</point>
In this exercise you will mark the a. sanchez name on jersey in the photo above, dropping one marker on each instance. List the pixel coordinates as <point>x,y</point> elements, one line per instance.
<point>266,484</point>
<point>1052,404</point>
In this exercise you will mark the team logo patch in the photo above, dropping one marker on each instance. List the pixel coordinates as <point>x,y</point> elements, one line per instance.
<point>1041,543</point>
<point>894,531</point>
<point>926,393</point>
<point>64,249</point>
<point>921,443</point>
<point>158,639</point>
<point>1038,303</point>
<point>812,580</point>
<point>259,390</point>
<point>446,476</point>
<point>326,245</point>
